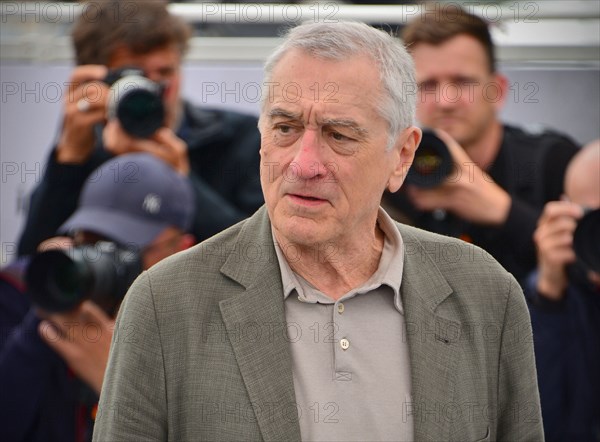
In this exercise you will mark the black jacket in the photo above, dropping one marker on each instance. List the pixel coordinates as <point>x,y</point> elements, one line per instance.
<point>223,149</point>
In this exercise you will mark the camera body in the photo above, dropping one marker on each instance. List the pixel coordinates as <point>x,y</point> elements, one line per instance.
<point>432,162</point>
<point>586,240</point>
<point>136,101</point>
<point>59,280</point>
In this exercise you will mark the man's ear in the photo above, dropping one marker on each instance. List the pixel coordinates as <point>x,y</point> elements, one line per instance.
<point>501,89</point>
<point>404,153</point>
<point>186,241</point>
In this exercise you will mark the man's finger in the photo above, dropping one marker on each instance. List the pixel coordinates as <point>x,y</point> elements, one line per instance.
<point>56,339</point>
<point>556,209</point>
<point>456,151</point>
<point>427,199</point>
<point>57,242</point>
<point>84,74</point>
<point>92,313</point>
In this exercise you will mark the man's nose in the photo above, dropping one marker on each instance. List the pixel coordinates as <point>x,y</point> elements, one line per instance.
<point>156,75</point>
<point>309,161</point>
<point>449,95</point>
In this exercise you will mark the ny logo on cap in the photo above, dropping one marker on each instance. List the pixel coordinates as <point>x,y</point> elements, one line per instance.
<point>151,203</point>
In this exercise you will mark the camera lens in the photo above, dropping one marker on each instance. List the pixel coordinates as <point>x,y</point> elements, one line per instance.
<point>586,240</point>
<point>137,103</point>
<point>56,282</point>
<point>432,162</point>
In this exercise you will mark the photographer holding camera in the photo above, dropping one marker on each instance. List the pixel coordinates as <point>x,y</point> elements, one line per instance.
<point>134,211</point>
<point>117,45</point>
<point>564,302</point>
<point>502,175</point>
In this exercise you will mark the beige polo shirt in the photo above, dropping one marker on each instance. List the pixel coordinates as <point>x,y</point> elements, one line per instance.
<point>350,359</point>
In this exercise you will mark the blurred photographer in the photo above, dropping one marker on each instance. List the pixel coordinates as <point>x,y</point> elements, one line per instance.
<point>218,148</point>
<point>53,353</point>
<point>503,175</point>
<point>564,302</point>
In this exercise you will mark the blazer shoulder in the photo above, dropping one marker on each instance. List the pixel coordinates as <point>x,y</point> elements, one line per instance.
<point>457,279</point>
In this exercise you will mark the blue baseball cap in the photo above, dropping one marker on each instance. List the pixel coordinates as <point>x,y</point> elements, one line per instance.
<point>131,199</point>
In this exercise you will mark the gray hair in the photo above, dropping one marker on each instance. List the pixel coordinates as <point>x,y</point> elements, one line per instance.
<point>342,40</point>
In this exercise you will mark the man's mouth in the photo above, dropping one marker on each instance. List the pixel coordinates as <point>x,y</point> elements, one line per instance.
<point>447,119</point>
<point>306,200</point>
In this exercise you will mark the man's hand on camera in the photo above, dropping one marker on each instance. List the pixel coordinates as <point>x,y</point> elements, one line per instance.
<point>84,106</point>
<point>56,242</point>
<point>82,338</point>
<point>554,241</point>
<point>164,144</point>
<point>468,192</point>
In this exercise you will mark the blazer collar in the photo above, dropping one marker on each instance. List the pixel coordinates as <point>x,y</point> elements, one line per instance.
<point>253,252</point>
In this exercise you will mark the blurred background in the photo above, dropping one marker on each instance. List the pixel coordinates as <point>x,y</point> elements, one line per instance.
<point>550,51</point>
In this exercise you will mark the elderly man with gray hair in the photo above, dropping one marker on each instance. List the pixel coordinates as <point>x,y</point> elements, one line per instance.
<point>320,318</point>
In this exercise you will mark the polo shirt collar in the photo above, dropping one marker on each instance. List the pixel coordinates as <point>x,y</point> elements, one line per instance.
<point>389,271</point>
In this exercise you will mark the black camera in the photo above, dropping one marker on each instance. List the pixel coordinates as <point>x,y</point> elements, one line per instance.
<point>586,240</point>
<point>59,280</point>
<point>432,162</point>
<point>136,101</point>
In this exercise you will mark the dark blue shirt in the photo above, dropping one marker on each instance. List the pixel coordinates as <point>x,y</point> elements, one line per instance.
<point>566,336</point>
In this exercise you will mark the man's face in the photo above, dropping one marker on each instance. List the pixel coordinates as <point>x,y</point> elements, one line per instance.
<point>169,241</point>
<point>324,164</point>
<point>161,65</point>
<point>457,91</point>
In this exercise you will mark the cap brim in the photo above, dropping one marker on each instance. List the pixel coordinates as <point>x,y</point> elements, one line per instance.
<point>116,226</point>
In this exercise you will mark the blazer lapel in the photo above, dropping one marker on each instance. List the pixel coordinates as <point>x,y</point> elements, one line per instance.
<point>256,327</point>
<point>432,341</point>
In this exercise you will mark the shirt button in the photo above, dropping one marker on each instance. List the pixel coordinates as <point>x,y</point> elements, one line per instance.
<point>340,308</point>
<point>344,343</point>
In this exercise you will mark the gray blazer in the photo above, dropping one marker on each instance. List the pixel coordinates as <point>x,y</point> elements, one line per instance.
<point>200,350</point>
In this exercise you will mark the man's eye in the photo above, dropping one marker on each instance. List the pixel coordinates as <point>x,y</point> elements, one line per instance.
<point>342,144</point>
<point>285,134</point>
<point>464,81</point>
<point>339,137</point>
<point>427,85</point>
<point>284,129</point>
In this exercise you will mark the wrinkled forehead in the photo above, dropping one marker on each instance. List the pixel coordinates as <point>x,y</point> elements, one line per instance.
<point>162,60</point>
<point>460,56</point>
<point>299,77</point>
<point>582,178</point>
<point>583,186</point>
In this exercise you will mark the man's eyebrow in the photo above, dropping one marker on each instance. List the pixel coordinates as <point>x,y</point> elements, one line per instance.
<point>426,81</point>
<point>278,112</point>
<point>350,124</point>
<point>335,122</point>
